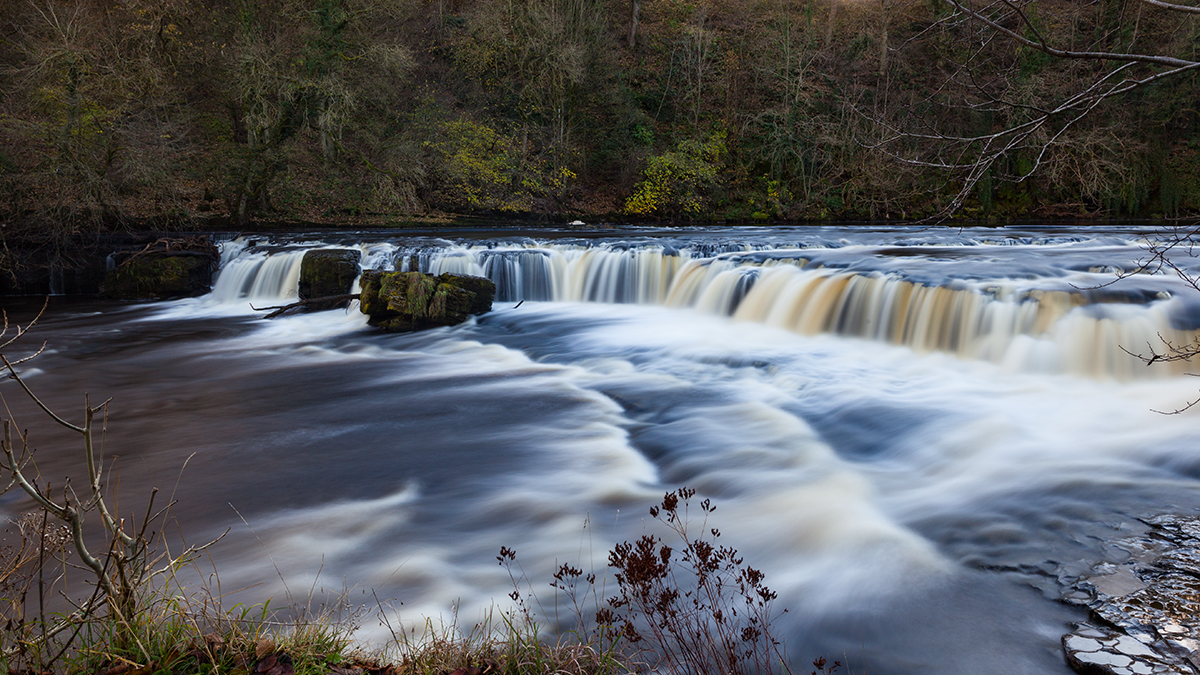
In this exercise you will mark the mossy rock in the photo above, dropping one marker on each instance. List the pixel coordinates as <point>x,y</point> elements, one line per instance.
<point>483,288</point>
<point>328,272</point>
<point>407,301</point>
<point>368,299</point>
<point>158,277</point>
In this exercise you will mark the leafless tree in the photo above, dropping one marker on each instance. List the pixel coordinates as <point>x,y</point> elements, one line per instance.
<point>990,36</point>
<point>129,559</point>
<point>1100,58</point>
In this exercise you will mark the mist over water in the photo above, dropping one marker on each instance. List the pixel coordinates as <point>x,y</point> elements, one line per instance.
<point>897,425</point>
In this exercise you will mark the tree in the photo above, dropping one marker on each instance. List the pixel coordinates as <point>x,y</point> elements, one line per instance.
<point>1109,51</point>
<point>300,66</point>
<point>1031,74</point>
<point>126,562</point>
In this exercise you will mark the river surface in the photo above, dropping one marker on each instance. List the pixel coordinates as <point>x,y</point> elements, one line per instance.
<point>902,427</point>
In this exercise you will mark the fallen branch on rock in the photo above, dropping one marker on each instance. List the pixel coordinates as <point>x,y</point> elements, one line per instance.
<point>309,305</point>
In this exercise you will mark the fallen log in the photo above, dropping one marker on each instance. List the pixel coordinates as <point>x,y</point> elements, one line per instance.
<point>309,305</point>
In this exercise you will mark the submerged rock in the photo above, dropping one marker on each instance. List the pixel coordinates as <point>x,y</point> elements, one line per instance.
<point>328,272</point>
<point>168,268</point>
<point>408,301</point>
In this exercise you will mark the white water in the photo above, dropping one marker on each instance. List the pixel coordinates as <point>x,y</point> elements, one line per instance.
<point>899,427</point>
<point>1060,323</point>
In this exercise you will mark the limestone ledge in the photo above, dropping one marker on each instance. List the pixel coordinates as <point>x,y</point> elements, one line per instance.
<point>1146,611</point>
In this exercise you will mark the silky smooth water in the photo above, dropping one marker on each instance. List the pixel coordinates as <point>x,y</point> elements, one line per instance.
<point>900,426</point>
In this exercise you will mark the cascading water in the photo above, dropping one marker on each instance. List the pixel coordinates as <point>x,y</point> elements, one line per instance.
<point>1057,323</point>
<point>912,432</point>
<point>258,276</point>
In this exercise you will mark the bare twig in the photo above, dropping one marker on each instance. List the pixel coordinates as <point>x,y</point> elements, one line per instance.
<point>121,574</point>
<point>328,302</point>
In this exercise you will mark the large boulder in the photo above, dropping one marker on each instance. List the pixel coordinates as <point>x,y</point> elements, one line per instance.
<point>168,268</point>
<point>483,288</point>
<point>328,272</point>
<point>408,301</point>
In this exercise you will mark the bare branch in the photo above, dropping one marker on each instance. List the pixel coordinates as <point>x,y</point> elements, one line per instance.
<point>1069,53</point>
<point>22,331</point>
<point>328,302</point>
<point>1187,9</point>
<point>38,401</point>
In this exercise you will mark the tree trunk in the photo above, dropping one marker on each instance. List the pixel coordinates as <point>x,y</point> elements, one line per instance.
<point>883,39</point>
<point>833,5</point>
<point>635,8</point>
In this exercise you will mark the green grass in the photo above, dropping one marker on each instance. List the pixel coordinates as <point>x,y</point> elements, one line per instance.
<point>176,631</point>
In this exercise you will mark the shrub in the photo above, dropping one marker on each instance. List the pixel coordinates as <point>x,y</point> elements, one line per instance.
<point>678,181</point>
<point>701,608</point>
<point>698,608</point>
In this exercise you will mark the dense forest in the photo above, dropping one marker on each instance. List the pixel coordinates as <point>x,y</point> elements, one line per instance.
<point>229,112</point>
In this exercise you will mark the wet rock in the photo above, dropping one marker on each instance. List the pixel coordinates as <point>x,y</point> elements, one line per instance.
<point>407,301</point>
<point>328,272</point>
<point>484,290</point>
<point>167,268</point>
<point>1102,650</point>
<point>1146,609</point>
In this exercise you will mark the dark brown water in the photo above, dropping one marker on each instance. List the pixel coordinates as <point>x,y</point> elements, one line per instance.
<point>899,432</point>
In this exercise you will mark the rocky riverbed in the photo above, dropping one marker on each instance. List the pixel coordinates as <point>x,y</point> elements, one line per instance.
<point>1145,610</point>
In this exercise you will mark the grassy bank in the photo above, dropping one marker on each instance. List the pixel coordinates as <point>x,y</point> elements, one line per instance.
<point>175,630</point>
<point>693,608</point>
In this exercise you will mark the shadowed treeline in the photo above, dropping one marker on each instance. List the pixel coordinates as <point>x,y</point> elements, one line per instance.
<point>175,112</point>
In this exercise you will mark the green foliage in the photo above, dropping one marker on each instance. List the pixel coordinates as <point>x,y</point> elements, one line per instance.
<point>539,63</point>
<point>481,169</point>
<point>328,45</point>
<point>642,135</point>
<point>862,43</point>
<point>678,182</point>
<point>478,164</point>
<point>1032,61</point>
<point>985,190</point>
<point>1179,177</point>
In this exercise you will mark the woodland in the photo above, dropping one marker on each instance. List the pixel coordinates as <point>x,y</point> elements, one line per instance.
<point>227,113</point>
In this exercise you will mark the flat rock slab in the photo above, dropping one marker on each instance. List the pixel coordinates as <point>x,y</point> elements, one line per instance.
<point>1104,650</point>
<point>1146,611</point>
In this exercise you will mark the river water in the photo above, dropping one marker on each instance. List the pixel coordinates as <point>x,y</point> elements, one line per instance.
<point>905,428</point>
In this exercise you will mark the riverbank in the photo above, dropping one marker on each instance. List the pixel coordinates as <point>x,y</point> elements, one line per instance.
<point>343,109</point>
<point>192,633</point>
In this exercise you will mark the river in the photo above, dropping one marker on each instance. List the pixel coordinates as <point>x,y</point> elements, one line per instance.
<point>905,428</point>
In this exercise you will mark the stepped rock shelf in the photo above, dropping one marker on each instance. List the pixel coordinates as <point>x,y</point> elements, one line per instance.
<point>1147,610</point>
<point>1143,601</point>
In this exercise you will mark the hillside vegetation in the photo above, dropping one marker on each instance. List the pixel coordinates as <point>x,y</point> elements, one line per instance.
<point>167,112</point>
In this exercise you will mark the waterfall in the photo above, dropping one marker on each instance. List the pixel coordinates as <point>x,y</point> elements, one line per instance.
<point>259,277</point>
<point>1047,331</point>
<point>1013,323</point>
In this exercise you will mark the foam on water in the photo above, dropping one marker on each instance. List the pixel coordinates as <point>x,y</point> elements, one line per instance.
<point>1057,314</point>
<point>729,408</point>
<point>890,435</point>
